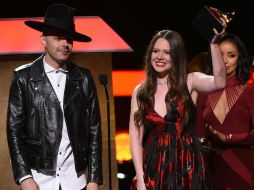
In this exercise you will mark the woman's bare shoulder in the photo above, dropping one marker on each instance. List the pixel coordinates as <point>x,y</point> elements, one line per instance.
<point>136,89</point>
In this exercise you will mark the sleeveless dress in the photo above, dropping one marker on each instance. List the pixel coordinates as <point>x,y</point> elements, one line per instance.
<point>172,159</point>
<point>234,159</point>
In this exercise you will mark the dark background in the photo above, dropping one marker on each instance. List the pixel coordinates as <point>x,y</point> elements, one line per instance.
<point>136,21</point>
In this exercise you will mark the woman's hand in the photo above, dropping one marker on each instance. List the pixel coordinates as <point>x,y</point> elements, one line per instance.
<point>141,183</point>
<point>217,33</point>
<point>226,138</point>
<point>216,134</point>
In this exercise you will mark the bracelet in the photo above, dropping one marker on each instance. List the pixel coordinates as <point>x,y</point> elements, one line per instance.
<point>202,140</point>
<point>228,137</point>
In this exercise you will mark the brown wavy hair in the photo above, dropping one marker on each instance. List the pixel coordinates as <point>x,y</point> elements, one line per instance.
<point>176,77</point>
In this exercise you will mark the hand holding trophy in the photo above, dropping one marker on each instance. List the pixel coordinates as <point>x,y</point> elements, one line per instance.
<point>220,14</point>
<point>210,18</point>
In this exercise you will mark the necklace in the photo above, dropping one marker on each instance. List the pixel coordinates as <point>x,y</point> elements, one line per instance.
<point>162,82</point>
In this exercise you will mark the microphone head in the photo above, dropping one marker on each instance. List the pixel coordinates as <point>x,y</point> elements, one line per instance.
<point>103,79</point>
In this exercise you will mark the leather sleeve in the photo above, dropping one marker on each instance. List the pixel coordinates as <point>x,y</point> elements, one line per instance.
<point>95,134</point>
<point>16,124</point>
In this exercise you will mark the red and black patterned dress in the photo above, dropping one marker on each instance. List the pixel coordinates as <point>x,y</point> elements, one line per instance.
<point>172,158</point>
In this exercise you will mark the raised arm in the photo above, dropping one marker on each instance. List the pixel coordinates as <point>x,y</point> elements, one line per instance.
<point>219,68</point>
<point>201,82</point>
<point>136,136</point>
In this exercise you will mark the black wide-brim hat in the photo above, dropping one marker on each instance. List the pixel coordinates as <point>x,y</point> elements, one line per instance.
<point>59,17</point>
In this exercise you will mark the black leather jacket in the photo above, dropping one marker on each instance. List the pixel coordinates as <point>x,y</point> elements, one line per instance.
<point>35,121</point>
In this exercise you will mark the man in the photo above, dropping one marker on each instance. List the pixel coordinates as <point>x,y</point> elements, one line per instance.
<point>53,124</point>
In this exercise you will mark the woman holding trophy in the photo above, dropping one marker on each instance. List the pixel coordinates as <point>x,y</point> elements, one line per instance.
<point>225,120</point>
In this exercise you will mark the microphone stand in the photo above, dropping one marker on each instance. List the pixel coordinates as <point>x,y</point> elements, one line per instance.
<point>103,80</point>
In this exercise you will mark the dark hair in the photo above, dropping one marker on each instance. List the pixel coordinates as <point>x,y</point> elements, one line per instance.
<point>198,63</point>
<point>176,75</point>
<point>244,65</point>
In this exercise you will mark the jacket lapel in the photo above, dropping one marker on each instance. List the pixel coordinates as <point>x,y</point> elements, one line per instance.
<point>41,84</point>
<point>73,84</point>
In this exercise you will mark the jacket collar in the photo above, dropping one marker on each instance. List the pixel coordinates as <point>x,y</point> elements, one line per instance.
<point>49,69</point>
<point>37,70</point>
<point>73,72</point>
<point>38,73</point>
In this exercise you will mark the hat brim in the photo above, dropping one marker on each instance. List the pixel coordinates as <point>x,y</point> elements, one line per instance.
<point>40,26</point>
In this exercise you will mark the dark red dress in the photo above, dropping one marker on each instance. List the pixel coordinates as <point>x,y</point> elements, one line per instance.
<point>232,165</point>
<point>172,158</point>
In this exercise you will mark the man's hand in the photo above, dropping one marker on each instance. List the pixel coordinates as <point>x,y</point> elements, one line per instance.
<point>29,184</point>
<point>92,186</point>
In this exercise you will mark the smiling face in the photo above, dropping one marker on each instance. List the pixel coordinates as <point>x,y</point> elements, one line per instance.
<point>230,55</point>
<point>160,57</point>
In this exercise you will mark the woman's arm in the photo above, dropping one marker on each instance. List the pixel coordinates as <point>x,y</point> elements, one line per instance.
<point>201,82</point>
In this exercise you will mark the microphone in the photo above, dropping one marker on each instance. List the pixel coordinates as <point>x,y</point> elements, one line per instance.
<point>104,81</point>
